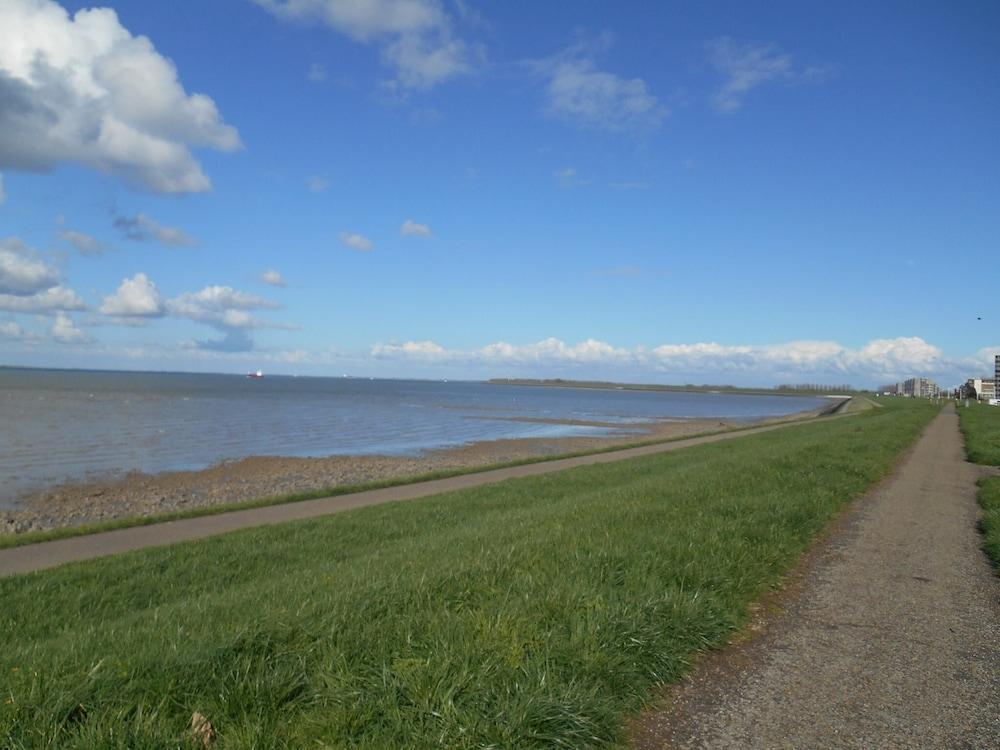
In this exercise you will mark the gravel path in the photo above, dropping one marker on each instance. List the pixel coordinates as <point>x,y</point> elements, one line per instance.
<point>889,638</point>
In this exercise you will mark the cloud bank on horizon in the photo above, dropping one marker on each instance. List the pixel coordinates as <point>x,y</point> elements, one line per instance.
<point>879,360</point>
<point>597,180</point>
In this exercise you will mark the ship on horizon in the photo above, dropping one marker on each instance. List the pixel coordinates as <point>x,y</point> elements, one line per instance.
<point>255,375</point>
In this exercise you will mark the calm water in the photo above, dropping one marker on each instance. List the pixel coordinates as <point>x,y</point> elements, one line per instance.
<point>57,425</point>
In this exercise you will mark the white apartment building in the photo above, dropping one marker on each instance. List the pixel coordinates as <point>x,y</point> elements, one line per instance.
<point>986,388</point>
<point>919,388</point>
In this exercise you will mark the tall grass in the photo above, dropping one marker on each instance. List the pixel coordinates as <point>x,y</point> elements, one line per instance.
<point>989,498</point>
<point>981,427</point>
<point>537,612</point>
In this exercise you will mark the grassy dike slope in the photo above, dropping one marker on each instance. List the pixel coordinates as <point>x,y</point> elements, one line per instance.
<point>534,613</point>
<point>981,427</point>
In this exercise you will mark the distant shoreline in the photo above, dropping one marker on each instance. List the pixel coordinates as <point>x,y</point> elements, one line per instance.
<point>612,386</point>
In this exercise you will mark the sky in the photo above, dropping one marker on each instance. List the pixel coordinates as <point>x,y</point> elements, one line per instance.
<point>675,192</point>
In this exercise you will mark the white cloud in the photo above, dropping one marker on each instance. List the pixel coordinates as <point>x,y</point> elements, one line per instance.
<point>137,297</point>
<point>895,355</point>
<point>414,350</point>
<point>317,73</point>
<point>65,331</point>
<point>317,184</point>
<point>423,62</point>
<point>233,340</point>
<point>887,359</point>
<point>22,271</point>
<point>142,228</point>
<point>272,277</point>
<point>357,241</point>
<point>581,94</point>
<point>982,362</point>
<point>411,228</point>
<point>222,307</point>
<point>11,331</point>
<point>362,19</point>
<point>415,36</point>
<point>85,244</point>
<point>46,302</point>
<point>82,89</point>
<point>745,67</point>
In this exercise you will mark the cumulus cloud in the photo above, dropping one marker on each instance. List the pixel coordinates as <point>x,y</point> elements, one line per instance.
<point>423,61</point>
<point>356,241</point>
<point>43,303</point>
<point>411,228</point>
<point>85,244</point>
<point>22,271</point>
<point>982,361</point>
<point>744,67</point>
<point>142,228</point>
<point>221,306</point>
<point>137,297</point>
<point>415,37</point>
<point>414,350</point>
<point>232,341</point>
<point>227,310</point>
<point>579,93</point>
<point>11,331</point>
<point>28,284</point>
<point>65,331</point>
<point>272,277</point>
<point>879,359</point>
<point>83,89</point>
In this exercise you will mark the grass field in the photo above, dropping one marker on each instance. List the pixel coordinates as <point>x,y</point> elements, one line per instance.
<point>538,612</point>
<point>981,427</point>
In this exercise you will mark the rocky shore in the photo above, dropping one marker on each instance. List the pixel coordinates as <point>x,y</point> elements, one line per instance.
<point>138,494</point>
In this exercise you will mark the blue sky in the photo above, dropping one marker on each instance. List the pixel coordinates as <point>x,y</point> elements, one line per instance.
<point>669,192</point>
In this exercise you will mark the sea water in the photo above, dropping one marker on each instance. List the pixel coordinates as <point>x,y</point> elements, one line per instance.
<point>59,425</point>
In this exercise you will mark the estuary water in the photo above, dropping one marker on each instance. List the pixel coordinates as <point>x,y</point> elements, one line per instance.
<point>59,425</point>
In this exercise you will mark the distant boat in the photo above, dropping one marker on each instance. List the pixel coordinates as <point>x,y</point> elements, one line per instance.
<point>255,375</point>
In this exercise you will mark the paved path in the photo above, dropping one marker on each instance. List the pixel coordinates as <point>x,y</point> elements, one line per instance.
<point>49,554</point>
<point>892,639</point>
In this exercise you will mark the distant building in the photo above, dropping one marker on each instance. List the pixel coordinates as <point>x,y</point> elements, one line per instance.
<point>919,388</point>
<point>985,388</point>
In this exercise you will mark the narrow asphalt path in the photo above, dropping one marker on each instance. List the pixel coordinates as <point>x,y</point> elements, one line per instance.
<point>890,638</point>
<point>50,554</point>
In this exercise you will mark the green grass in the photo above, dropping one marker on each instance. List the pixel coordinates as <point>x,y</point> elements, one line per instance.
<point>981,427</point>
<point>537,612</point>
<point>33,537</point>
<point>860,403</point>
<point>989,498</point>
